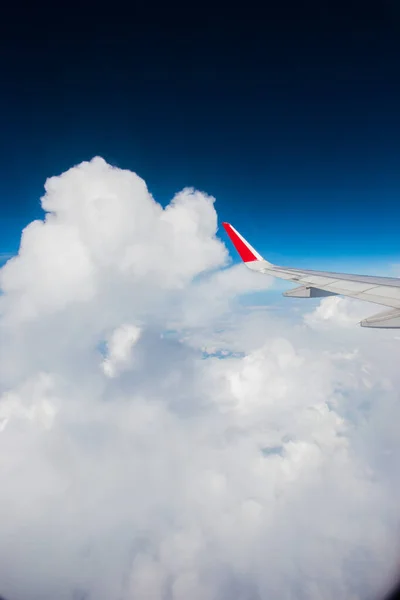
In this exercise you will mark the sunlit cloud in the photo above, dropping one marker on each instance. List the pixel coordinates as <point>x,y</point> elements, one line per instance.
<point>161,439</point>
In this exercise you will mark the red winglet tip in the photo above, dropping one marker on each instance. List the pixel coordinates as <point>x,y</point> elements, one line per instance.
<point>242,248</point>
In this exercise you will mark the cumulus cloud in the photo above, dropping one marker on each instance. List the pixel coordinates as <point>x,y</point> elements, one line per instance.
<point>339,312</point>
<point>159,440</point>
<point>120,349</point>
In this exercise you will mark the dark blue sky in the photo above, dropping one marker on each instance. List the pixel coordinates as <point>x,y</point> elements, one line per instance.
<point>289,115</point>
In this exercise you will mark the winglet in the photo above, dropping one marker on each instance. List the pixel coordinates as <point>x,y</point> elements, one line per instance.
<point>245,251</point>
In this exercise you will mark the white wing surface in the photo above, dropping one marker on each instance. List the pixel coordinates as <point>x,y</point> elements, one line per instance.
<point>316,284</point>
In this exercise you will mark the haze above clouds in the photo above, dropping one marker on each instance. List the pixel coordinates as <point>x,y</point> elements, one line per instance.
<point>159,440</point>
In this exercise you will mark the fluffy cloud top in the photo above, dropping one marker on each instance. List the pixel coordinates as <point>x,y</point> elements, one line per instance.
<point>159,441</point>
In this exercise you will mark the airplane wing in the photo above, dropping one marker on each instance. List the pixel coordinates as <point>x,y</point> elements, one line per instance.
<point>317,284</point>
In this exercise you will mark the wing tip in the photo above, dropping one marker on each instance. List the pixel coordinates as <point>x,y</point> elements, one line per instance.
<point>246,252</point>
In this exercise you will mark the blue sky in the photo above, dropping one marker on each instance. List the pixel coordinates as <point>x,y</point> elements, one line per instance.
<point>291,122</point>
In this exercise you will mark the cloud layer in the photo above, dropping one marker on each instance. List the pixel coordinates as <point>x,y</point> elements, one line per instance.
<point>158,440</point>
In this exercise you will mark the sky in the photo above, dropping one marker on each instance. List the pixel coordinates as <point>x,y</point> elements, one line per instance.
<point>170,426</point>
<point>289,117</point>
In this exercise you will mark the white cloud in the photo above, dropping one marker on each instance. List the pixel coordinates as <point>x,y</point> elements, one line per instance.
<point>120,349</point>
<point>339,312</point>
<point>267,467</point>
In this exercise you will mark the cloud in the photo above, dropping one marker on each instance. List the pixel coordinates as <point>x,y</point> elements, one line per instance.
<point>120,349</point>
<point>159,440</point>
<point>339,312</point>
